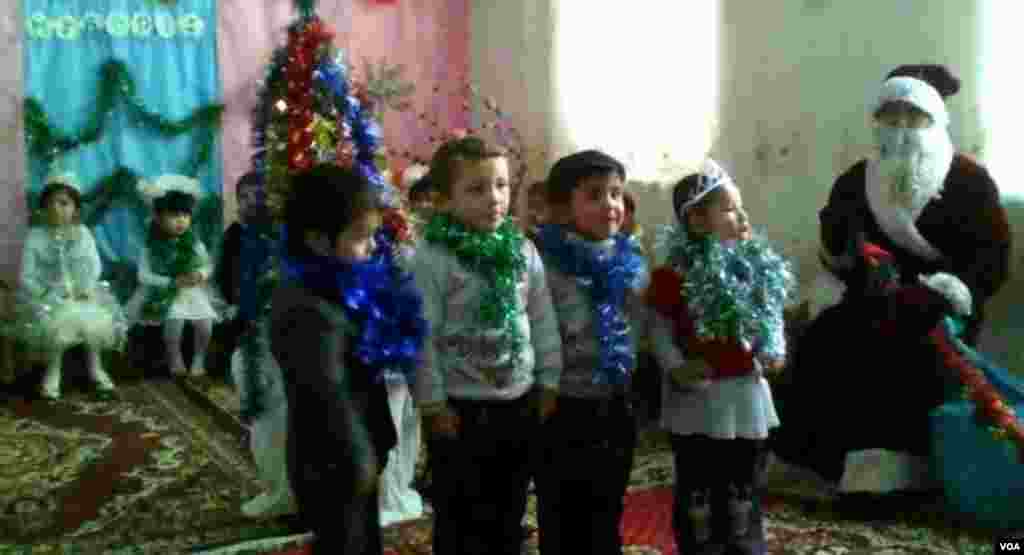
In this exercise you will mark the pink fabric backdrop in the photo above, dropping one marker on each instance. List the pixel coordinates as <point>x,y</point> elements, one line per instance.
<point>431,39</point>
<point>13,217</point>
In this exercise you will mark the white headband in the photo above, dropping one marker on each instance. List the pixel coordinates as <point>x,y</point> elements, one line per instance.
<point>709,179</point>
<point>917,93</point>
<point>66,179</point>
<point>152,190</point>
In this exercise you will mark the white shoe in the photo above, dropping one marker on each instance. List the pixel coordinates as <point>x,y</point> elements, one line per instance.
<point>197,372</point>
<point>102,379</point>
<point>51,393</point>
<point>50,388</point>
<point>266,505</point>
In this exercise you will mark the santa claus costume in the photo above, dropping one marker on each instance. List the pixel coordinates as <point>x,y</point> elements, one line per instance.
<point>938,214</point>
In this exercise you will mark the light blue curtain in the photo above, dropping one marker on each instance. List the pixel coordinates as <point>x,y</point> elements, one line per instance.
<point>170,50</point>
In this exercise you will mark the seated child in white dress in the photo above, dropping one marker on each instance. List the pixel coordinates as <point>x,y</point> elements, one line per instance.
<point>61,302</point>
<point>174,271</point>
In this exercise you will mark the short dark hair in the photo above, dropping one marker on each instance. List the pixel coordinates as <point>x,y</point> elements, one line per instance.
<point>325,199</point>
<point>54,187</point>
<point>446,162</point>
<point>569,171</point>
<point>176,202</point>
<point>250,179</point>
<point>421,190</point>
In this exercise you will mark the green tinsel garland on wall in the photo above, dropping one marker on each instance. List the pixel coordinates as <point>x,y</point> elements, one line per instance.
<point>45,142</point>
<point>307,8</point>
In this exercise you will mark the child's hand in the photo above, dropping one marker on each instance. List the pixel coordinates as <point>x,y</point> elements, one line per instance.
<point>443,424</point>
<point>547,403</point>
<point>84,295</point>
<point>696,373</point>
<point>189,280</point>
<point>774,366</point>
<point>367,474</point>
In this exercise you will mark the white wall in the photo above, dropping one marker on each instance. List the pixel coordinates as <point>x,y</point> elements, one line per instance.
<point>510,52</point>
<point>796,80</point>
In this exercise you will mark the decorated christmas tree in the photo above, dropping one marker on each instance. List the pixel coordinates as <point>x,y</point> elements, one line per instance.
<point>310,112</point>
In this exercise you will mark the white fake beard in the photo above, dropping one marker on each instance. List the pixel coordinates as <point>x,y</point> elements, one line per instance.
<point>916,176</point>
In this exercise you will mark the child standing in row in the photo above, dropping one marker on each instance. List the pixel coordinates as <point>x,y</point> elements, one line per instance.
<point>174,269</point>
<point>62,301</point>
<point>340,321</point>
<point>247,234</point>
<point>717,329</point>
<point>596,273</point>
<point>493,358</point>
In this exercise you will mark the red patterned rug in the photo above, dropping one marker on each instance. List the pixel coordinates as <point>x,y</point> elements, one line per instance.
<point>646,529</point>
<point>791,528</point>
<point>148,472</point>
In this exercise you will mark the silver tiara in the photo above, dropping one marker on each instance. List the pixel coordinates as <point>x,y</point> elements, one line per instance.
<point>709,179</point>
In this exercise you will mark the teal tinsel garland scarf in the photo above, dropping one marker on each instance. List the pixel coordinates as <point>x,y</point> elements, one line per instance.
<point>495,256</point>
<point>734,291</point>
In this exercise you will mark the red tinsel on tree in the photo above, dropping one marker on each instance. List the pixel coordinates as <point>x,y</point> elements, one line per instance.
<point>302,45</point>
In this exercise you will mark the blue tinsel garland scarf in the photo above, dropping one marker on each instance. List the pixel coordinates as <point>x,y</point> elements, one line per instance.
<point>379,298</point>
<point>733,291</point>
<point>608,280</point>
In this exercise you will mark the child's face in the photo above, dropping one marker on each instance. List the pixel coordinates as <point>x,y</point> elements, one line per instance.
<point>422,203</point>
<point>538,208</point>
<point>480,195</point>
<point>249,198</point>
<point>175,223</point>
<point>597,207</point>
<point>356,242</point>
<point>629,221</point>
<point>61,208</point>
<point>724,216</point>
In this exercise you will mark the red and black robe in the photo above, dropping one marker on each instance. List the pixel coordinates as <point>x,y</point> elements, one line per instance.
<point>864,375</point>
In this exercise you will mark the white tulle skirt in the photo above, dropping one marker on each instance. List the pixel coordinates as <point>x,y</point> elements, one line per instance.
<point>740,407</point>
<point>398,501</point>
<point>55,324</point>
<point>192,303</point>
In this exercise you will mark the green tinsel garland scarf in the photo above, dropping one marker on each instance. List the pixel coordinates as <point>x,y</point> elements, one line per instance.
<point>497,257</point>
<point>170,257</point>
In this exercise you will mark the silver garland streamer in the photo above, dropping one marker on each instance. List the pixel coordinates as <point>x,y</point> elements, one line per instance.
<point>734,291</point>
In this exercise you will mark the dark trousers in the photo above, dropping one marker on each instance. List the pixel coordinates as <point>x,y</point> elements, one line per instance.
<point>480,477</point>
<point>582,476</point>
<point>341,521</point>
<point>716,493</point>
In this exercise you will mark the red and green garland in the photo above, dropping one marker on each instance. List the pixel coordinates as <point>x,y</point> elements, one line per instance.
<point>991,409</point>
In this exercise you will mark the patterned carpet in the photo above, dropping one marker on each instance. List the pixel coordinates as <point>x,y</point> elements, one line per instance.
<point>163,470</point>
<point>150,472</point>
<point>800,518</point>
